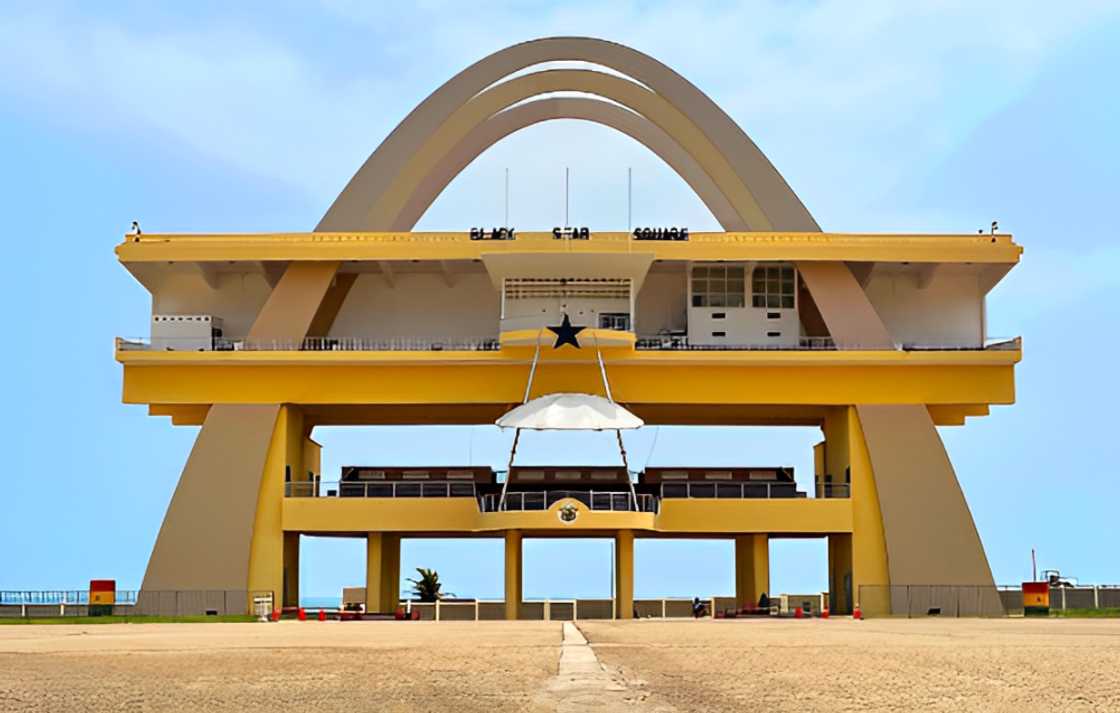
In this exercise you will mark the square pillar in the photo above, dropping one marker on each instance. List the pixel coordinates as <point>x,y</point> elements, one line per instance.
<point>290,597</point>
<point>840,573</point>
<point>752,569</point>
<point>513,574</point>
<point>383,572</point>
<point>624,574</point>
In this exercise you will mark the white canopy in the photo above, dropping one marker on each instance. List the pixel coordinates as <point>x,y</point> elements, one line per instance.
<point>570,412</point>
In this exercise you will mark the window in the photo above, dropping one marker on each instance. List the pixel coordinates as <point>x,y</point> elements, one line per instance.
<point>718,285</point>
<point>772,286</point>
<point>619,321</point>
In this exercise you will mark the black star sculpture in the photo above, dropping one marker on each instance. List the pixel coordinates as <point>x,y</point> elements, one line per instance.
<point>566,333</point>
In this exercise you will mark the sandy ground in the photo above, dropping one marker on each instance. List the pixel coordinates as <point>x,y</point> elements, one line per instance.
<point>308,666</point>
<point>990,665</point>
<point>886,664</point>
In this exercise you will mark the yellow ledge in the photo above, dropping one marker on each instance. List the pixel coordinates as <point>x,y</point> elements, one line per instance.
<point>459,246</point>
<point>461,516</point>
<point>612,355</point>
<point>635,381</point>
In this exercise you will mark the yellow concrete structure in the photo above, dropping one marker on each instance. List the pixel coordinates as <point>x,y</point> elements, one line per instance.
<point>874,339</point>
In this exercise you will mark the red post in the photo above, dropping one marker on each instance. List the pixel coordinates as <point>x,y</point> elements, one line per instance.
<point>824,613</point>
<point>322,615</point>
<point>276,615</point>
<point>856,613</point>
<point>301,614</point>
<point>798,613</point>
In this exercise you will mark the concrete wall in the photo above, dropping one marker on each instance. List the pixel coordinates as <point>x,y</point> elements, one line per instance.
<point>237,300</point>
<point>662,303</point>
<point>419,305</point>
<point>949,310</point>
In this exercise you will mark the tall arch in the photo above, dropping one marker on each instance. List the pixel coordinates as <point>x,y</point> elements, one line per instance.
<point>519,117</point>
<point>784,210</point>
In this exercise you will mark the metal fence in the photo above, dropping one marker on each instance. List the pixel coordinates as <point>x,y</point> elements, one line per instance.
<point>1088,597</point>
<point>920,600</point>
<point>35,604</point>
<point>671,342</point>
<point>544,499</point>
<point>731,491</point>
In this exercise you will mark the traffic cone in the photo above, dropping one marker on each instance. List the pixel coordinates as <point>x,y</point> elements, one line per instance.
<point>798,613</point>
<point>301,614</point>
<point>824,613</point>
<point>856,613</point>
<point>322,615</point>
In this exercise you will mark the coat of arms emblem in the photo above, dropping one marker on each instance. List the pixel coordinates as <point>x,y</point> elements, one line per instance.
<point>567,513</point>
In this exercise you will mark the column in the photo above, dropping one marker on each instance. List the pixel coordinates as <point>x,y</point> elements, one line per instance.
<point>383,572</point>
<point>840,573</point>
<point>268,548</point>
<point>624,574</point>
<point>513,574</point>
<point>291,569</point>
<point>752,569</point>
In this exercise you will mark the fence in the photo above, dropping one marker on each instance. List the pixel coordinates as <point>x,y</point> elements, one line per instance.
<point>561,609</point>
<point>1104,596</point>
<point>918,600</point>
<point>33,604</point>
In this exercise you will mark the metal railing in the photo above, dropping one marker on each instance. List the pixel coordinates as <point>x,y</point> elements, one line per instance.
<point>680,342</point>
<point>380,489</point>
<point>51,603</point>
<point>492,344</point>
<point>58,596</point>
<point>730,491</point>
<point>611,501</point>
<point>311,344</point>
<point>834,490</point>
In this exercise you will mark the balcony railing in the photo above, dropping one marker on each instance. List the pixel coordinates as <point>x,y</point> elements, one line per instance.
<point>312,344</point>
<point>834,490</point>
<point>730,491</point>
<point>679,342</point>
<point>379,489</point>
<point>492,344</point>
<point>611,501</point>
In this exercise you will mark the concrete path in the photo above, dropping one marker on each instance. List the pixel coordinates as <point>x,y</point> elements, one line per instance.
<point>584,684</point>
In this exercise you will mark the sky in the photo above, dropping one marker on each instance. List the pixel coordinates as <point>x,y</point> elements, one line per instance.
<point>882,116</point>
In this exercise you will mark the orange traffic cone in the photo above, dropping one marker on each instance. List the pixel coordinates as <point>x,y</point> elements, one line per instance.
<point>322,615</point>
<point>301,614</point>
<point>856,613</point>
<point>824,613</point>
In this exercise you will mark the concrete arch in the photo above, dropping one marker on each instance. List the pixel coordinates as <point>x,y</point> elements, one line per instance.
<point>782,207</point>
<point>676,123</point>
<point>522,116</point>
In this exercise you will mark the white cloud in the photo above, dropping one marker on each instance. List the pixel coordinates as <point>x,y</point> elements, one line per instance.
<point>830,90</point>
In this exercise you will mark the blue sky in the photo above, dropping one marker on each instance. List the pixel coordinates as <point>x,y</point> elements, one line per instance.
<point>917,117</point>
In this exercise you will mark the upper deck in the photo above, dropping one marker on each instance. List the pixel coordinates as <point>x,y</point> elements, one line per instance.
<point>454,319</point>
<point>851,247</point>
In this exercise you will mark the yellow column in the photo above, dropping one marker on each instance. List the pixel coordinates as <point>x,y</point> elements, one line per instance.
<point>840,573</point>
<point>383,572</point>
<point>624,574</point>
<point>291,569</point>
<point>513,574</point>
<point>390,571</point>
<point>847,459</point>
<point>752,569</point>
<point>267,551</point>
